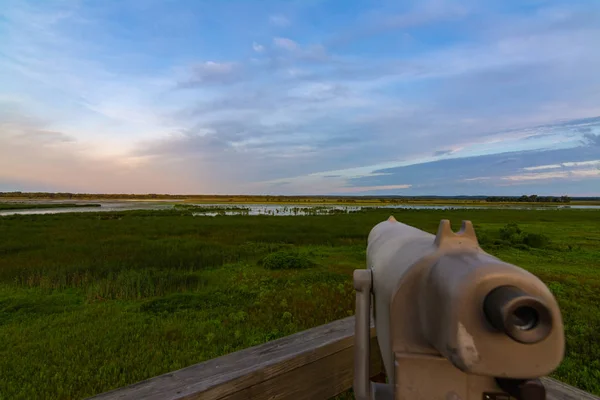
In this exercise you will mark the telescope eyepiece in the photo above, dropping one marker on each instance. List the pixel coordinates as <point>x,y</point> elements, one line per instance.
<point>521,316</point>
<point>525,318</point>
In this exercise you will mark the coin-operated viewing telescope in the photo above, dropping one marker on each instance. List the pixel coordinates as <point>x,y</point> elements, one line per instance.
<point>452,322</point>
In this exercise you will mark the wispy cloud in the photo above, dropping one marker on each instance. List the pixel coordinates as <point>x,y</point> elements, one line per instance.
<point>579,164</point>
<point>592,139</point>
<point>259,48</point>
<point>384,18</point>
<point>542,167</point>
<point>279,20</point>
<point>285,43</point>
<point>363,189</point>
<point>211,72</point>
<point>56,161</point>
<point>553,175</point>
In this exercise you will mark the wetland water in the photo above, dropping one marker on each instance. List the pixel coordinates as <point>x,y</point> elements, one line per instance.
<point>257,209</point>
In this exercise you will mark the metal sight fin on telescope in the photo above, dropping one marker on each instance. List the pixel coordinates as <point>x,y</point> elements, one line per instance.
<point>445,237</point>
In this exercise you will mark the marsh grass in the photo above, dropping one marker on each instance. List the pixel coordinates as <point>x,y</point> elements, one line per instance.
<point>29,206</point>
<point>286,260</point>
<point>94,301</point>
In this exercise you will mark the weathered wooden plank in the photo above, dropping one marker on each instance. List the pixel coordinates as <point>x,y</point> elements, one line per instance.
<point>223,376</point>
<point>556,390</point>
<point>314,364</point>
<point>321,379</point>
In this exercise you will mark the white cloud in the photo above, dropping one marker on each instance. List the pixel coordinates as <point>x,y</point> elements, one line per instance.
<point>478,179</point>
<point>285,43</point>
<point>586,173</point>
<point>536,176</point>
<point>542,167</point>
<point>581,163</point>
<point>259,48</point>
<point>563,175</point>
<point>570,164</point>
<point>212,72</point>
<point>212,67</point>
<point>578,173</point>
<point>360,189</point>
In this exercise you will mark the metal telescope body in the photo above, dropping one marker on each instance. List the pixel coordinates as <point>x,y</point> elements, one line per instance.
<point>452,321</point>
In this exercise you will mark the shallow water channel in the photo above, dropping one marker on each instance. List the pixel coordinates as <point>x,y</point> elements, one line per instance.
<point>255,209</point>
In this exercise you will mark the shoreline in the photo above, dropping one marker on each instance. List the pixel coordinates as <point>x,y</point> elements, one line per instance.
<point>306,202</point>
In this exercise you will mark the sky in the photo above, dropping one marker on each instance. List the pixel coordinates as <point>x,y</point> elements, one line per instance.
<point>430,97</point>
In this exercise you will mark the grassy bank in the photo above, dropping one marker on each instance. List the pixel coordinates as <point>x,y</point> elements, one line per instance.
<point>381,202</point>
<point>30,206</point>
<point>94,301</point>
<point>303,200</point>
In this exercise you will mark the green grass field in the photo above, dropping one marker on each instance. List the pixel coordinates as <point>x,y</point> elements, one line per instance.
<point>29,206</point>
<point>94,301</point>
<point>296,200</point>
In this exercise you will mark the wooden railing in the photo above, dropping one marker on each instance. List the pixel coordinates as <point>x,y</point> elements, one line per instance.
<point>313,364</point>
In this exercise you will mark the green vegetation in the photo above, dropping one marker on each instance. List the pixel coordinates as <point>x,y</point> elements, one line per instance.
<point>511,235</point>
<point>213,210</point>
<point>286,260</point>
<point>94,301</point>
<point>29,206</point>
<point>274,209</point>
<point>529,199</point>
<point>313,200</point>
<point>201,208</point>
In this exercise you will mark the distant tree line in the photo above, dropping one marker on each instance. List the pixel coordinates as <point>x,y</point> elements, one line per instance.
<point>220,198</point>
<point>150,196</point>
<point>206,197</point>
<point>283,199</point>
<point>529,199</point>
<point>85,196</point>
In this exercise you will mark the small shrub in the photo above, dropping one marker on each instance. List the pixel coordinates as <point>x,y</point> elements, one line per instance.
<point>286,260</point>
<point>483,238</point>
<point>501,243</point>
<point>512,235</point>
<point>510,231</point>
<point>517,238</point>
<point>536,240</point>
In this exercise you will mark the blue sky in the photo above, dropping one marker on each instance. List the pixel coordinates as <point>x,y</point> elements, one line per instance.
<point>300,97</point>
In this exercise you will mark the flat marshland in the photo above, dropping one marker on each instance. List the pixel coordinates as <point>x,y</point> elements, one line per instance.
<point>93,301</point>
<point>30,206</point>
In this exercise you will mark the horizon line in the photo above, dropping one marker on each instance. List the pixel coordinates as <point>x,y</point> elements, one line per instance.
<point>288,195</point>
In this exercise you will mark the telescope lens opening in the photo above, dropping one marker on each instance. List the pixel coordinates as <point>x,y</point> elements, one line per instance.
<point>519,315</point>
<point>525,318</point>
